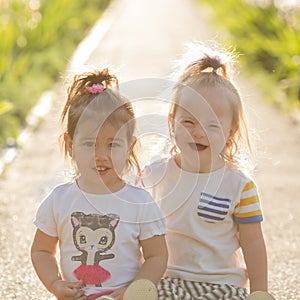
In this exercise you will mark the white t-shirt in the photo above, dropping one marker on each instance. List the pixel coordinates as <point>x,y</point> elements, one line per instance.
<point>202,211</point>
<point>99,234</point>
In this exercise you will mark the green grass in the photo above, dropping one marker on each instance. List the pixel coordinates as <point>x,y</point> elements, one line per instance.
<point>268,41</point>
<point>38,38</point>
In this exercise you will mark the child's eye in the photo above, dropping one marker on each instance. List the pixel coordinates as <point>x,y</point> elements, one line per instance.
<point>188,122</point>
<point>114,145</point>
<point>89,144</point>
<point>213,126</point>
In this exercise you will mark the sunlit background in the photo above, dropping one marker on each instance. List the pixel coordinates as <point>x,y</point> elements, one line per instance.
<point>37,44</point>
<point>38,38</point>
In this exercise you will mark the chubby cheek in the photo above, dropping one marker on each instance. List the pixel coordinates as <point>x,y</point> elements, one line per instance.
<point>83,159</point>
<point>85,155</point>
<point>119,159</point>
<point>182,134</point>
<point>217,143</point>
<point>79,151</point>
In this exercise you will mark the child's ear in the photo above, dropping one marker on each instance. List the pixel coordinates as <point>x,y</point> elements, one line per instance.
<point>171,122</point>
<point>69,145</point>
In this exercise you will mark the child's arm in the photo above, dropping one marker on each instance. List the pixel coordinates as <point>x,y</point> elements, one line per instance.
<point>156,256</point>
<point>43,251</point>
<point>254,250</point>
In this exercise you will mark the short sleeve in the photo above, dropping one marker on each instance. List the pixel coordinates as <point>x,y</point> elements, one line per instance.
<point>151,220</point>
<point>45,220</point>
<point>248,210</point>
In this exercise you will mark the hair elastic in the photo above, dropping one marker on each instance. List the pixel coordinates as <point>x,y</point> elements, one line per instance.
<point>96,88</point>
<point>214,70</point>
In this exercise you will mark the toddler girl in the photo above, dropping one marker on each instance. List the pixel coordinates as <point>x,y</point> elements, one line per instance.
<point>212,207</point>
<point>109,233</point>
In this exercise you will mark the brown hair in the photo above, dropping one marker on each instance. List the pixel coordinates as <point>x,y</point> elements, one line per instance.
<point>211,71</point>
<point>116,109</point>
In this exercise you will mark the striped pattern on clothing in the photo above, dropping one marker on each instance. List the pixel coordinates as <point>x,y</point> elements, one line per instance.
<point>178,289</point>
<point>212,208</point>
<point>248,210</point>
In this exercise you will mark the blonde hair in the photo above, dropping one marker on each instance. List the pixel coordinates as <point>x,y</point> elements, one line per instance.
<point>116,108</point>
<point>211,71</point>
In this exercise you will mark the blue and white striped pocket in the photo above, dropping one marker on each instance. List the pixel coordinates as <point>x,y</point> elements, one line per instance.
<point>213,209</point>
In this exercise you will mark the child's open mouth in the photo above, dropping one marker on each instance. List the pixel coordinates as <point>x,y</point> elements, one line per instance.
<point>198,147</point>
<point>102,170</point>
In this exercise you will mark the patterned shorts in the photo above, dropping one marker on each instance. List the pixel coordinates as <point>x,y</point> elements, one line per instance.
<point>178,289</point>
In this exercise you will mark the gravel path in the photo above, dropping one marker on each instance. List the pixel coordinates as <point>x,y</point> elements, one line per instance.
<point>142,38</point>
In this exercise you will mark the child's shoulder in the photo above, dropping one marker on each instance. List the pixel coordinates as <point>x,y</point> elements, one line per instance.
<point>60,194</point>
<point>130,188</point>
<point>137,194</point>
<point>238,175</point>
<point>65,187</point>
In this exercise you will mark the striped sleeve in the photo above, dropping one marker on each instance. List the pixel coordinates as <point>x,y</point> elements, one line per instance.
<point>248,210</point>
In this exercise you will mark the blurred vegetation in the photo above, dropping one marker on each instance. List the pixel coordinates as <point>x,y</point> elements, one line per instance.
<point>267,37</point>
<point>38,38</point>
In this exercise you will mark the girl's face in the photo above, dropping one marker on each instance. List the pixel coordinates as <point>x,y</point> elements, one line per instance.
<point>101,156</point>
<point>201,126</point>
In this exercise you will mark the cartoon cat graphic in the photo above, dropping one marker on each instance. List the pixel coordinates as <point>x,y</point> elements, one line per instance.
<point>93,235</point>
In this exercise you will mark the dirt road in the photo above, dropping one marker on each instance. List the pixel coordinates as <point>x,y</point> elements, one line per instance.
<point>141,39</point>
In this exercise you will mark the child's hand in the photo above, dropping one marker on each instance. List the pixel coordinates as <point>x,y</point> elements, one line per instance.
<point>64,290</point>
<point>118,294</point>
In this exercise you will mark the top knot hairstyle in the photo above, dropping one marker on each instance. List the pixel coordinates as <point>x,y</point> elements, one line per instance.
<point>210,67</point>
<point>96,95</point>
<point>205,61</point>
<point>78,92</point>
<point>83,81</point>
<point>208,64</point>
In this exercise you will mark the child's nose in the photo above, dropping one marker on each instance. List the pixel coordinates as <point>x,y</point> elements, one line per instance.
<point>199,131</point>
<point>100,153</point>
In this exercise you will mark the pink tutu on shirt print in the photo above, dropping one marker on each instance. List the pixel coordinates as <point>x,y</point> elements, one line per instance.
<point>91,275</point>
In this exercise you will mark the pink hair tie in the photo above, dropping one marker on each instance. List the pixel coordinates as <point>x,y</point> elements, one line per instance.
<point>96,88</point>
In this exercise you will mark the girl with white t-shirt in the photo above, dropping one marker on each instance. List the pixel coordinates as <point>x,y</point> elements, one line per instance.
<point>109,233</point>
<point>212,208</point>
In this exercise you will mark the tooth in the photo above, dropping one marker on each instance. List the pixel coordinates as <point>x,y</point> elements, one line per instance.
<point>101,168</point>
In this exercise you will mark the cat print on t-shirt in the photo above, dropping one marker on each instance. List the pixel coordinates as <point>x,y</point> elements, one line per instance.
<point>93,235</point>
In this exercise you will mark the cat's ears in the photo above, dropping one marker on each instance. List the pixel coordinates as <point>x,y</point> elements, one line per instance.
<point>75,217</point>
<point>115,220</point>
